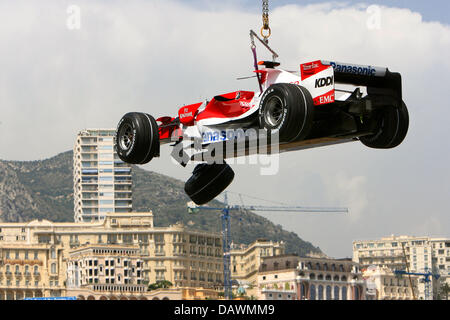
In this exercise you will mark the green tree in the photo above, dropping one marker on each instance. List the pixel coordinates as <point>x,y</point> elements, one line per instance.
<point>445,289</point>
<point>159,285</point>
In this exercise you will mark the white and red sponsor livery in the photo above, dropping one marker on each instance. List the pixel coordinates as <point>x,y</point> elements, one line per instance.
<point>316,76</point>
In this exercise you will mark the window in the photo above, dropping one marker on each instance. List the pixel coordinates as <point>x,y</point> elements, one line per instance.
<point>328,293</point>
<point>320,295</point>
<point>344,293</point>
<point>336,293</point>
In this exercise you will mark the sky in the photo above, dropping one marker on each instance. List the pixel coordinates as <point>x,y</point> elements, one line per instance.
<point>433,10</point>
<point>59,76</point>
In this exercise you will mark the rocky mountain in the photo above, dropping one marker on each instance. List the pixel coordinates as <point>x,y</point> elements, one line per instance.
<point>44,190</point>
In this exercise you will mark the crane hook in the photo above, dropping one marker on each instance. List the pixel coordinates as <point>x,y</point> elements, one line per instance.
<point>265,19</point>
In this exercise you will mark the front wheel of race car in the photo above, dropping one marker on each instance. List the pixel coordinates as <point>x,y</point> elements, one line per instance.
<point>287,109</point>
<point>208,181</point>
<point>391,128</point>
<point>137,138</point>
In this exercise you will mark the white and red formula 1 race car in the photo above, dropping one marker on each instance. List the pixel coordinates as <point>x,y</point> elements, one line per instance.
<point>306,109</point>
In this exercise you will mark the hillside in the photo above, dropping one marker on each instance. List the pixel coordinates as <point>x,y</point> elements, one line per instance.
<point>44,190</point>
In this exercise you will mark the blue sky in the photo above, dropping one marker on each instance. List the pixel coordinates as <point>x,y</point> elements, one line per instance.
<point>431,10</point>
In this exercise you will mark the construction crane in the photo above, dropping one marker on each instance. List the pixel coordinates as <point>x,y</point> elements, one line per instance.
<point>226,227</point>
<point>427,277</point>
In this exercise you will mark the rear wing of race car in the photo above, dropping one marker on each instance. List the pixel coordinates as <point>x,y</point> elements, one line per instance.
<point>379,81</point>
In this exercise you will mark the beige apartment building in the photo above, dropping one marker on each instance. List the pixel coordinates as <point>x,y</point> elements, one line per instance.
<point>383,284</point>
<point>102,182</point>
<point>422,255</point>
<point>116,272</point>
<point>290,277</point>
<point>246,260</point>
<point>34,256</point>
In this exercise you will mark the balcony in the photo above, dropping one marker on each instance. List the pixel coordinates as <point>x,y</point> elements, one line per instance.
<point>160,268</point>
<point>89,198</point>
<point>123,205</point>
<point>180,268</point>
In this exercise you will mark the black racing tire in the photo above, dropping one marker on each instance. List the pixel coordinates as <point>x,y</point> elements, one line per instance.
<point>288,109</point>
<point>137,138</point>
<point>208,181</point>
<point>392,128</point>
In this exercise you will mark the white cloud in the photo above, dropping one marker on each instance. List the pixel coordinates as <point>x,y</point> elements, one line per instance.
<point>155,56</point>
<point>349,190</point>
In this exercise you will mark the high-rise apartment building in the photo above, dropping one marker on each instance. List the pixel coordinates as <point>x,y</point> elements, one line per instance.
<point>102,182</point>
<point>422,255</point>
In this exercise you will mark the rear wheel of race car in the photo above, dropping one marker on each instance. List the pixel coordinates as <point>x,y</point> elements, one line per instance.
<point>288,109</point>
<point>208,181</point>
<point>392,127</point>
<point>137,138</point>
